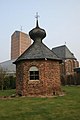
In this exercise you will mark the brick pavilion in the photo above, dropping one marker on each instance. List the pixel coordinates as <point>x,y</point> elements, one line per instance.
<point>38,68</point>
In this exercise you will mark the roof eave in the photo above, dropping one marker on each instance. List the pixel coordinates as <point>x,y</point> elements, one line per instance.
<point>15,62</point>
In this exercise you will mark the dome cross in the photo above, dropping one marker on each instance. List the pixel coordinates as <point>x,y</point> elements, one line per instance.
<point>37,16</point>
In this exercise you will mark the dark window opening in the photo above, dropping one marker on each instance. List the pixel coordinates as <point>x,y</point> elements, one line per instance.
<point>34,73</point>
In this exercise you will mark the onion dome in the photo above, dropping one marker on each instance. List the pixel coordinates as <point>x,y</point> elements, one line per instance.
<point>37,33</point>
<point>38,50</point>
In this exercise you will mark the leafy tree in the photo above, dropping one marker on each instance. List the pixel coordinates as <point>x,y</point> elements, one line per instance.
<point>2,77</point>
<point>10,82</point>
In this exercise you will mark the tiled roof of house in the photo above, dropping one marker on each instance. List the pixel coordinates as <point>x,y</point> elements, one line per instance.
<point>63,52</point>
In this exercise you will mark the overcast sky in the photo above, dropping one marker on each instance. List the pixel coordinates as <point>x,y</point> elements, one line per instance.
<point>60,19</point>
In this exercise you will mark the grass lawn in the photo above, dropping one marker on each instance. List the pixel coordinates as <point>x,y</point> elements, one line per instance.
<point>7,92</point>
<point>56,108</point>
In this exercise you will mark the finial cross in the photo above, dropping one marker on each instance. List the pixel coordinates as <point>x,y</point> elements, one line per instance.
<point>37,16</point>
<point>21,28</point>
<point>65,42</point>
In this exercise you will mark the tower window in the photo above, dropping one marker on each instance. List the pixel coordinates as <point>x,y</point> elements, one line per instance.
<point>34,73</point>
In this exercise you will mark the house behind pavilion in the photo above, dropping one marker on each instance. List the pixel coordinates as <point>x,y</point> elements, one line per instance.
<point>38,68</point>
<point>69,63</point>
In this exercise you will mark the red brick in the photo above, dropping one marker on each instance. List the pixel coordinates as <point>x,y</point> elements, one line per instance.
<point>49,78</point>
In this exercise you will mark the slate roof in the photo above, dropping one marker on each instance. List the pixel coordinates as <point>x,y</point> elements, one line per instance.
<point>63,52</point>
<point>38,51</point>
<point>77,70</point>
<point>8,66</point>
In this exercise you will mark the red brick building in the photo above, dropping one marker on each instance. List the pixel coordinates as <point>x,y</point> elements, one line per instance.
<point>19,43</point>
<point>69,63</point>
<point>38,68</point>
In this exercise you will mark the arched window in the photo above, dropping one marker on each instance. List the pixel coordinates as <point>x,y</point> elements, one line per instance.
<point>34,73</point>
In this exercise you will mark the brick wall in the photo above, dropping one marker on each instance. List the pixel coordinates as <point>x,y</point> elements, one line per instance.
<point>19,43</point>
<point>67,67</point>
<point>49,78</point>
<point>67,71</point>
